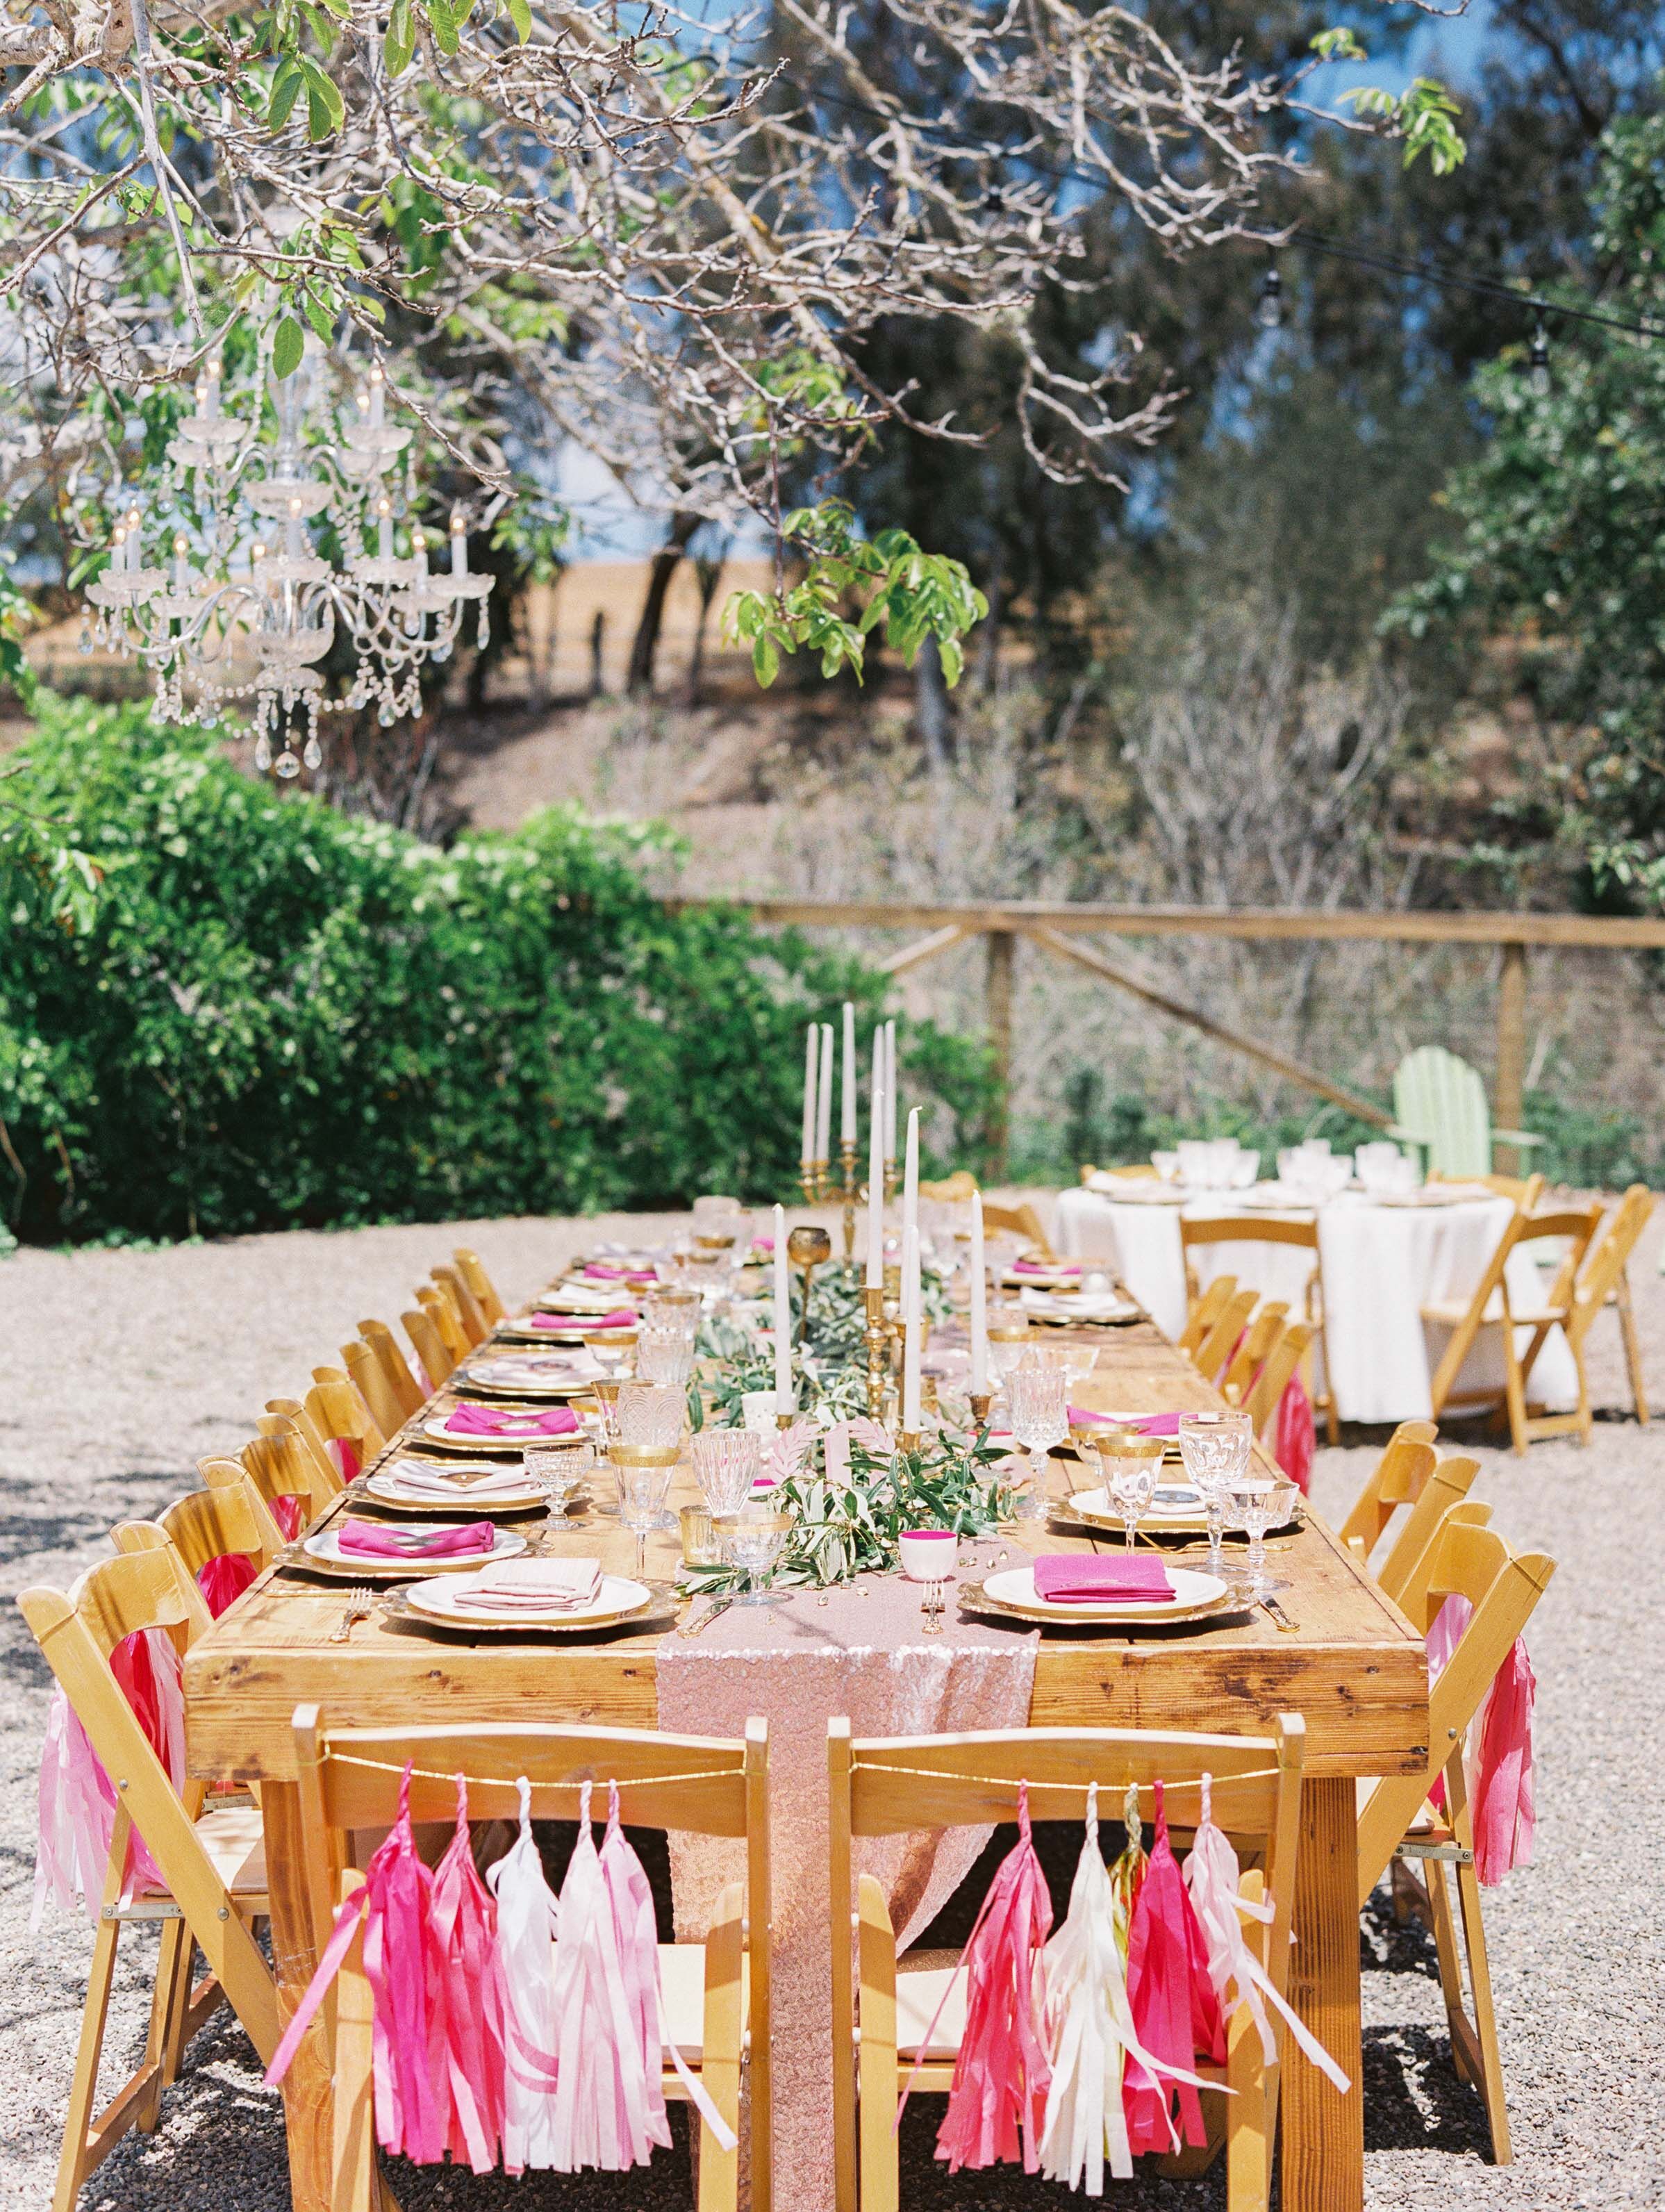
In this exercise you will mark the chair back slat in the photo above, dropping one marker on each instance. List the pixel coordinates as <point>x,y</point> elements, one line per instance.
<point>435,1355</point>
<point>1019,1221</point>
<point>302,1419</point>
<point>1217,1347</point>
<point>1606,1259</point>
<point>1275,1376</point>
<point>396,1370</point>
<point>227,1520</point>
<point>1249,1228</point>
<point>472,1270</point>
<point>1396,1480</point>
<point>435,1300</point>
<point>1447,1484</point>
<point>454,1285</point>
<point>1257,1341</point>
<point>339,1407</point>
<point>1206,1309</point>
<point>279,1466</point>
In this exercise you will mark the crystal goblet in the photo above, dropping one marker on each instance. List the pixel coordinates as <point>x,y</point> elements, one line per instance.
<point>1039,1400</point>
<point>1215,1448</point>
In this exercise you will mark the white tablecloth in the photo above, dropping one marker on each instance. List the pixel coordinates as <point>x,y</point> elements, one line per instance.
<point>1381,1264</point>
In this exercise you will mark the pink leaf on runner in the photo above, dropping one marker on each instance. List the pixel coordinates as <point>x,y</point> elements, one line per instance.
<point>1001,2075</point>
<point>1172,2000</point>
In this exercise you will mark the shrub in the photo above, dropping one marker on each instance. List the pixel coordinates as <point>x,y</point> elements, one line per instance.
<point>270,1014</point>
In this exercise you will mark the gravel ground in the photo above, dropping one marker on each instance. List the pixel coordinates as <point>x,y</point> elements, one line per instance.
<point>142,1362</point>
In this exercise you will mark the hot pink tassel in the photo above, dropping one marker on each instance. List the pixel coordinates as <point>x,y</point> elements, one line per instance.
<point>405,1967</point>
<point>290,1515</point>
<point>465,1918</point>
<point>1172,2000</point>
<point>1001,2075</point>
<point>1501,1792</point>
<point>1444,1634</point>
<point>344,1452</point>
<point>1294,1438</point>
<point>77,1800</point>
<point>223,1580</point>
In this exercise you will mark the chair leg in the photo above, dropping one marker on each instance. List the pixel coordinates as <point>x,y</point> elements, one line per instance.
<point>1486,2018</point>
<point>1514,1389</point>
<point>170,2001</point>
<point>1250,2117</point>
<point>83,2088</point>
<point>1444,1929</point>
<point>1632,1348</point>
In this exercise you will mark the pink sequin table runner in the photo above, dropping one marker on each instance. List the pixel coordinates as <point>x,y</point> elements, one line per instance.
<point>798,1663</point>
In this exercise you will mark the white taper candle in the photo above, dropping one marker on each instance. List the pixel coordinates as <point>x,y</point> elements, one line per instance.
<point>979,1301</point>
<point>810,1050</point>
<point>890,1093</point>
<point>910,1309</point>
<point>910,1175</point>
<point>876,1171</point>
<point>782,1317</point>
<point>824,1098</point>
<point>846,1101</point>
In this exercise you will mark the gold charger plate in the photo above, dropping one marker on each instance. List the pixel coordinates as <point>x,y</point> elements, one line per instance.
<point>974,1599</point>
<point>1072,1516</point>
<point>527,1391</point>
<point>501,1447</point>
<point>519,1506</point>
<point>660,1612</point>
<point>294,1558</point>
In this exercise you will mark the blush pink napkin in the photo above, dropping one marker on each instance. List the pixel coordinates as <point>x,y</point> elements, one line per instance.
<point>1171,1997</point>
<point>532,1585</point>
<point>1060,1576</point>
<point>223,1580</point>
<point>624,1317</point>
<point>1001,2074</point>
<point>369,1540</point>
<point>1147,1424</point>
<point>469,1420</point>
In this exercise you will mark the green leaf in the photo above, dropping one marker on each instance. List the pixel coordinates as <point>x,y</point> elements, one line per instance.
<point>285,91</point>
<point>765,661</point>
<point>320,315</point>
<point>444,22</point>
<point>519,14</point>
<point>401,40</point>
<point>287,347</point>
<point>1339,45</point>
<point>325,105</point>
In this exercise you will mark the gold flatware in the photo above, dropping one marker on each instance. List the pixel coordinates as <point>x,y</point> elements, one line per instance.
<point>1279,1618</point>
<point>360,1604</point>
<point>698,1627</point>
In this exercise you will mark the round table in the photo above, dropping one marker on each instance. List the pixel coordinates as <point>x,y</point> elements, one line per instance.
<point>1382,1263</point>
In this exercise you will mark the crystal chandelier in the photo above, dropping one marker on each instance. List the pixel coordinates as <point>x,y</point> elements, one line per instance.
<point>275,526</point>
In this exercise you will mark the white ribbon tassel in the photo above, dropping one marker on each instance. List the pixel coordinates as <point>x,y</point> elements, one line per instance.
<point>1212,1877</point>
<point>527,1919</point>
<point>1094,2032</point>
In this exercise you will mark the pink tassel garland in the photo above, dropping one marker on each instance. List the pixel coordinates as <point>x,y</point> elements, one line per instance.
<point>1172,2000</point>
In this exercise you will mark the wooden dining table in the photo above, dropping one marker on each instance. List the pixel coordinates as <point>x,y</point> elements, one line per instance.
<point>1351,1665</point>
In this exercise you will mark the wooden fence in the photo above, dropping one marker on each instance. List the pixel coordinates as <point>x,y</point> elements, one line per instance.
<point>1058,928</point>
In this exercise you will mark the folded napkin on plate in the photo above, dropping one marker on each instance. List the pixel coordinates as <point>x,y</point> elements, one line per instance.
<point>1060,1577</point>
<point>1147,1424</point>
<point>369,1540</point>
<point>464,1487</point>
<point>533,1586</point>
<point>625,1317</point>
<point>609,1271</point>
<point>1046,1268</point>
<point>487,1421</point>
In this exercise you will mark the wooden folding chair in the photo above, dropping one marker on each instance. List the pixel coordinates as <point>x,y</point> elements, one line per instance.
<point>436,1299</point>
<point>338,1408</point>
<point>1396,1820</point>
<point>279,1466</point>
<point>1264,1331</point>
<point>1204,1310</point>
<point>1525,1190</point>
<point>1278,1370</point>
<point>434,1354</point>
<point>716,1995</point>
<point>1491,1306</point>
<point>1220,1342</point>
<point>883,2006</point>
<point>1263,1229</point>
<point>1448,1486</point>
<point>1397,1479</point>
<point>1604,1281</point>
<point>229,1518</point>
<point>1019,1221</point>
<point>475,1326</point>
<point>472,1271</point>
<point>211,1862</point>
<point>408,1392</point>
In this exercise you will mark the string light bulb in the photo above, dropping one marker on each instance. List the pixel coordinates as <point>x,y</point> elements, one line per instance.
<point>1538,360</point>
<point>1269,307</point>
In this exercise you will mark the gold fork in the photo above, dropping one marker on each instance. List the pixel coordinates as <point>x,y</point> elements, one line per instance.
<point>360,1604</point>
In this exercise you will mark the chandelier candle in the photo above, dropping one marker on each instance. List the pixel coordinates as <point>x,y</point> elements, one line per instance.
<point>458,543</point>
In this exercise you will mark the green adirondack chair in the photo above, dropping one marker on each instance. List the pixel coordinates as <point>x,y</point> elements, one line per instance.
<point>1440,1103</point>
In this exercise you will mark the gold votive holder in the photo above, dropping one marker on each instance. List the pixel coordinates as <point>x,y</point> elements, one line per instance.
<point>699,1547</point>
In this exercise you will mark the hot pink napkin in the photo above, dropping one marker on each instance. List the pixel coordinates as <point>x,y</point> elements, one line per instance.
<point>1147,1424</point>
<point>625,1317</point>
<point>470,1420</point>
<point>605,1270</point>
<point>1045,1267</point>
<point>370,1539</point>
<point>1061,1576</point>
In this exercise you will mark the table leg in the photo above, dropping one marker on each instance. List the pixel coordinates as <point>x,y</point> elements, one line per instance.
<point>1323,2131</point>
<point>308,2107</point>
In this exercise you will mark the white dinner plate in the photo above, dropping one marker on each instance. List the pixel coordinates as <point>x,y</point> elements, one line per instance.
<point>1173,1501</point>
<point>502,1445</point>
<point>533,1374</point>
<point>617,1596</point>
<point>516,1494</point>
<point>1193,1592</point>
<point>326,1545</point>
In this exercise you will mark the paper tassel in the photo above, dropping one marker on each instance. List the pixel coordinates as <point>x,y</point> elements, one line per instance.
<point>1294,1439</point>
<point>1001,2075</point>
<point>1501,1792</point>
<point>223,1580</point>
<point>1172,2000</point>
<point>344,1452</point>
<point>471,1999</point>
<point>290,1515</point>
<point>77,1799</point>
<point>1127,1873</point>
<point>1212,1880</point>
<point>403,1964</point>
<point>527,1918</point>
<point>1092,2030</point>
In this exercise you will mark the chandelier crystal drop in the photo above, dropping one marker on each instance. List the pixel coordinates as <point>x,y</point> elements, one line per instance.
<point>275,525</point>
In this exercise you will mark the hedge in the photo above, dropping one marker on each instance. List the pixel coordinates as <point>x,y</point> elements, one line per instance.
<point>270,1014</point>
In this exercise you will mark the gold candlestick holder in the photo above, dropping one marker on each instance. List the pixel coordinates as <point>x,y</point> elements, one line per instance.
<point>809,1180</point>
<point>909,1440</point>
<point>809,1248</point>
<point>878,1352</point>
<point>979,1403</point>
<point>847,1161</point>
